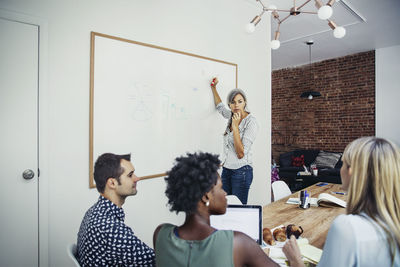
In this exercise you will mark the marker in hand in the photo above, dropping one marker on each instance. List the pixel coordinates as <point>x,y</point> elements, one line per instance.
<point>214,81</point>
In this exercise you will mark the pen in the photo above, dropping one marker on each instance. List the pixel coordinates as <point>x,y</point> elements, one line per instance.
<point>339,193</point>
<point>307,200</point>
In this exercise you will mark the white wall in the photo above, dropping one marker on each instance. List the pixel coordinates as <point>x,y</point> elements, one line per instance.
<point>208,27</point>
<point>387,62</point>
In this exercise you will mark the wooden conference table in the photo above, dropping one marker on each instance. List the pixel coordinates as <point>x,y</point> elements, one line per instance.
<point>315,221</point>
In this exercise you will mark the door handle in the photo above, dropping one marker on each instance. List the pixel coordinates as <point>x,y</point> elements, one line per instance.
<point>28,174</point>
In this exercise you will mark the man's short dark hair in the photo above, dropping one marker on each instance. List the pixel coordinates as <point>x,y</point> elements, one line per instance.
<point>191,177</point>
<point>107,166</point>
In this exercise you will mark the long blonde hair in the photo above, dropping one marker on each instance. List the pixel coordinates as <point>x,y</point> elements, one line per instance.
<point>374,187</point>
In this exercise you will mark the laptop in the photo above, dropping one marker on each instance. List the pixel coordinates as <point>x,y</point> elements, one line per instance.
<point>243,218</point>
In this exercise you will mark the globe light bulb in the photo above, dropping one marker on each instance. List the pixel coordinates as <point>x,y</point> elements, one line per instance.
<point>325,12</point>
<point>310,97</point>
<point>250,28</point>
<point>275,44</point>
<point>339,32</point>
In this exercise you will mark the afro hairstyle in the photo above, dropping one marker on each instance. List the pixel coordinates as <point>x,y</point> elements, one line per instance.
<point>189,179</point>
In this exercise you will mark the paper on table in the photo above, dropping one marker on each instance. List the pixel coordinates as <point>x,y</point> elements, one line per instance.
<point>310,252</point>
<point>293,200</point>
<point>276,254</point>
<point>302,241</point>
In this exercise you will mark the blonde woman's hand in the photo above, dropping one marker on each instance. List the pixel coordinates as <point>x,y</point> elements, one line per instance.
<point>292,252</point>
<point>235,120</point>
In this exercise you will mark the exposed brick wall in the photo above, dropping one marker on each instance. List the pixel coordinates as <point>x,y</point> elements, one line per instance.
<point>345,111</point>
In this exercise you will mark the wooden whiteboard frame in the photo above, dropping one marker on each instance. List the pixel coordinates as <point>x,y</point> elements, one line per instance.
<point>91,105</point>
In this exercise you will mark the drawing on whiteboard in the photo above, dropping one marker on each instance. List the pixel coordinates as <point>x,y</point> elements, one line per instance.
<point>178,113</point>
<point>145,106</point>
<point>171,111</point>
<point>140,110</point>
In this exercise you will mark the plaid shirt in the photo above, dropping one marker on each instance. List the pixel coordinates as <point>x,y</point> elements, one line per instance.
<point>105,240</point>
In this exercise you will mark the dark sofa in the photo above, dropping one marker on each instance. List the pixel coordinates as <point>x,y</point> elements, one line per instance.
<point>328,165</point>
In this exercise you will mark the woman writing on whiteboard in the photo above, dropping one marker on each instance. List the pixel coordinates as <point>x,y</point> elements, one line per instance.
<point>369,234</point>
<point>240,133</point>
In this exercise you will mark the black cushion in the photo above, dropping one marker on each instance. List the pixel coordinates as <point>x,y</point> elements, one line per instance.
<point>285,159</point>
<point>309,155</point>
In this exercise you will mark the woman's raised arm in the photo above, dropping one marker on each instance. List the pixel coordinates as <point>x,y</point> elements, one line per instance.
<point>213,85</point>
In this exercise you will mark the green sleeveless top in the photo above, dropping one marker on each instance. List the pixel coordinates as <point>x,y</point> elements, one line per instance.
<point>215,250</point>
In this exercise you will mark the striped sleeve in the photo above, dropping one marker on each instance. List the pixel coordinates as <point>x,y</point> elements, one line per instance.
<point>226,113</point>
<point>249,134</point>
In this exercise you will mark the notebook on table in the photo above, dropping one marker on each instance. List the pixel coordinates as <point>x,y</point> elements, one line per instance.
<point>243,218</point>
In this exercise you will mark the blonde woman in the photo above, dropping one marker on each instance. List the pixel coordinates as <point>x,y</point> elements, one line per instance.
<point>369,234</point>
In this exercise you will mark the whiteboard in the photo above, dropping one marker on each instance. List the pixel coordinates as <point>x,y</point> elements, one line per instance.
<point>153,102</point>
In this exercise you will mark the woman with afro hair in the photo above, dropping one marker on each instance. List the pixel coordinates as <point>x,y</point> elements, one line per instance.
<point>195,188</point>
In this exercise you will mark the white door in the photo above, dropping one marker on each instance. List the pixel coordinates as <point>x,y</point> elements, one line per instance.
<point>19,244</point>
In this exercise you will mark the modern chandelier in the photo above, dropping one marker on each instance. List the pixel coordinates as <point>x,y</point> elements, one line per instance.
<point>324,12</point>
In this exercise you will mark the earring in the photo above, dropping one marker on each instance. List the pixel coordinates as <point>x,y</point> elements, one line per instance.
<point>208,203</point>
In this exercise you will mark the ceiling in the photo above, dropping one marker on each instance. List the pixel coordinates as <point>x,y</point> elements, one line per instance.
<point>369,24</point>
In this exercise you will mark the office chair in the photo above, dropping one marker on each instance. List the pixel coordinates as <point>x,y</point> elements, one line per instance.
<point>280,190</point>
<point>72,253</point>
<point>233,200</point>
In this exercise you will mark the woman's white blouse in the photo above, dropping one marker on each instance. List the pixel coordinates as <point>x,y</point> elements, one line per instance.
<point>248,129</point>
<point>355,240</point>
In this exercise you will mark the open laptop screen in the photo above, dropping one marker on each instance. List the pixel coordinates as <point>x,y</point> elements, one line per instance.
<point>243,218</point>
